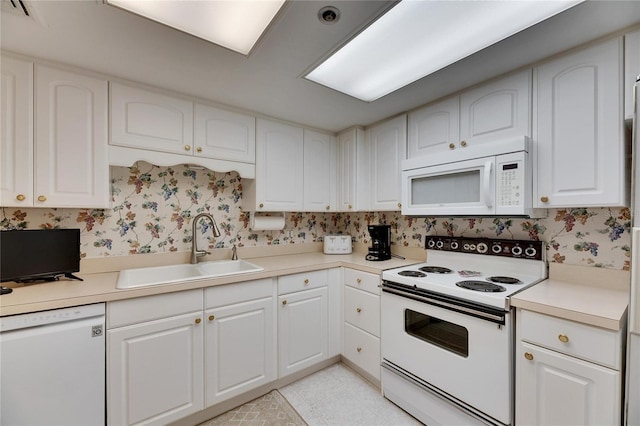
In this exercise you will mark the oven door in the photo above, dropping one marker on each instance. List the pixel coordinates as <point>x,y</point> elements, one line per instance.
<point>464,358</point>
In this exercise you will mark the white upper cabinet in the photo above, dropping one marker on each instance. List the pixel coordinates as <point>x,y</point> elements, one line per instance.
<point>278,185</point>
<point>631,69</point>
<point>224,134</point>
<point>388,147</point>
<point>578,129</point>
<point>71,168</point>
<point>150,120</point>
<point>319,172</point>
<point>16,139</point>
<point>434,128</point>
<point>497,110</point>
<point>353,171</point>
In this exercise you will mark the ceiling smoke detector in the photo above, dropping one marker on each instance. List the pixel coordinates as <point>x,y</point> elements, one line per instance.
<point>329,15</point>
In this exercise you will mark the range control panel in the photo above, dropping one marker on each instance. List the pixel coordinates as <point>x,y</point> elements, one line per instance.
<point>534,250</point>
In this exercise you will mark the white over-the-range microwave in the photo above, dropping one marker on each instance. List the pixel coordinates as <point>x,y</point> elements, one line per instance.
<point>491,179</point>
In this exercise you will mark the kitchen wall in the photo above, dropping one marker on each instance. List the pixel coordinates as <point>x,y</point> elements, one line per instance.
<point>152,209</point>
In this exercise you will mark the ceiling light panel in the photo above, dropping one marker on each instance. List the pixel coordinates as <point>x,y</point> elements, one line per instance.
<point>234,24</point>
<point>418,37</point>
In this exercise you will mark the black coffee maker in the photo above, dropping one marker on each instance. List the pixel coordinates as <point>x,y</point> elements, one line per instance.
<point>380,242</point>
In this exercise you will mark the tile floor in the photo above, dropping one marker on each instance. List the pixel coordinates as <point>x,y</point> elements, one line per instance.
<point>338,396</point>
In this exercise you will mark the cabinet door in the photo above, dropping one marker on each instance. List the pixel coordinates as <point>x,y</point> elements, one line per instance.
<point>555,389</point>
<point>239,349</point>
<point>224,134</point>
<point>279,163</point>
<point>302,329</point>
<point>150,120</point>
<point>388,145</point>
<point>579,129</point>
<point>434,128</point>
<point>631,69</point>
<point>155,371</point>
<point>353,178</point>
<point>496,111</point>
<point>16,137</point>
<point>71,163</point>
<point>319,172</point>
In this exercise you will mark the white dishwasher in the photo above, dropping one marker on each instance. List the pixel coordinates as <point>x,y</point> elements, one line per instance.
<point>52,366</point>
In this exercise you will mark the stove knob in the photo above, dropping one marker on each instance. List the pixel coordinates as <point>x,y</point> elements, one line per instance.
<point>454,245</point>
<point>472,247</point>
<point>439,244</point>
<point>482,248</point>
<point>516,251</point>
<point>530,251</point>
<point>431,244</point>
<point>496,248</point>
<point>465,247</point>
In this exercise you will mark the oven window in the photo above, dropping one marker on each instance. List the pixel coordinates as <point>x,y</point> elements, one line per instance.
<point>446,335</point>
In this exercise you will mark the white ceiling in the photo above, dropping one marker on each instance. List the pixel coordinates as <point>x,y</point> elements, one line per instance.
<point>92,35</point>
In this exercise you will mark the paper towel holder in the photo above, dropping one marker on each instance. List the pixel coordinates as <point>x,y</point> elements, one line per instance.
<point>267,221</point>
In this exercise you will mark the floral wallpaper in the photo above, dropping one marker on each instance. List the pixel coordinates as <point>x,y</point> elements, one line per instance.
<point>152,210</point>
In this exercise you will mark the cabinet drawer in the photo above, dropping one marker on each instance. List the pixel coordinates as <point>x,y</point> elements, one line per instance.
<point>362,310</point>
<point>362,280</point>
<point>235,293</point>
<point>149,308</point>
<point>362,349</point>
<point>303,281</point>
<point>579,340</point>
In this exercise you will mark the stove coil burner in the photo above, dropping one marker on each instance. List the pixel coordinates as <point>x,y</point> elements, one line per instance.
<point>416,274</point>
<point>436,270</point>
<point>481,286</point>
<point>504,280</point>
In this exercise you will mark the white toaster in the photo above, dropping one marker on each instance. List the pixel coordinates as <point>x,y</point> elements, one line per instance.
<point>337,244</point>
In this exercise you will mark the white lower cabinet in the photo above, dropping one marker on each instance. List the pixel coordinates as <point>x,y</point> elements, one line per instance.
<point>302,320</point>
<point>240,339</point>
<point>362,321</point>
<point>154,358</point>
<point>567,373</point>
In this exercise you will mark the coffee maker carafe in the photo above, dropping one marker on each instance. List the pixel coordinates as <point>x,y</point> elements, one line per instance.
<point>380,242</point>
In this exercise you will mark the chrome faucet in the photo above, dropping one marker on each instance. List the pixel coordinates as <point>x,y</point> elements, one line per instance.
<point>195,253</point>
<point>234,253</point>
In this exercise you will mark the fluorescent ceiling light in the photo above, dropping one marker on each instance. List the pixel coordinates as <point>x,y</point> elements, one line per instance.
<point>234,24</point>
<point>418,37</point>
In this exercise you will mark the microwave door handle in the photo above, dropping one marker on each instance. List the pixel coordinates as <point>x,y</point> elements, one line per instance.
<point>486,183</point>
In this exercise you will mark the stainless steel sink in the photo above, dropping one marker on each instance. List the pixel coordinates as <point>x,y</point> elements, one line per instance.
<point>171,274</point>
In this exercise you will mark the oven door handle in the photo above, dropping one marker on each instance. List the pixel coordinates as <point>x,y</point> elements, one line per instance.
<point>497,317</point>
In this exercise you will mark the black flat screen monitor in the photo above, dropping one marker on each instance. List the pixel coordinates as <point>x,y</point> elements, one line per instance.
<point>39,254</point>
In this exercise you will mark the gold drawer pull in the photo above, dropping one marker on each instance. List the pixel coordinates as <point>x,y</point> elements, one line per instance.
<point>563,338</point>
<point>359,349</point>
<point>199,149</point>
<point>463,143</point>
<point>451,146</point>
<point>187,147</point>
<point>261,205</point>
<point>211,317</point>
<point>198,320</point>
<point>358,280</point>
<point>284,302</point>
<point>544,199</point>
<point>306,282</point>
<point>358,310</point>
<point>528,356</point>
<point>399,205</point>
<point>328,207</point>
<point>42,198</point>
<point>20,197</point>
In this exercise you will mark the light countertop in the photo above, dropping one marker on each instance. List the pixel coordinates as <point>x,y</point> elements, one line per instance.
<point>592,296</point>
<point>101,286</point>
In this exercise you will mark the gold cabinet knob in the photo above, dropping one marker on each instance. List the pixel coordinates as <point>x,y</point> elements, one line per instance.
<point>359,349</point>
<point>187,147</point>
<point>463,143</point>
<point>358,310</point>
<point>528,356</point>
<point>399,205</point>
<point>544,199</point>
<point>20,197</point>
<point>198,320</point>
<point>350,207</point>
<point>306,282</point>
<point>452,146</point>
<point>328,207</point>
<point>199,149</point>
<point>284,302</point>
<point>261,205</point>
<point>358,280</point>
<point>211,317</point>
<point>563,338</point>
<point>42,198</point>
